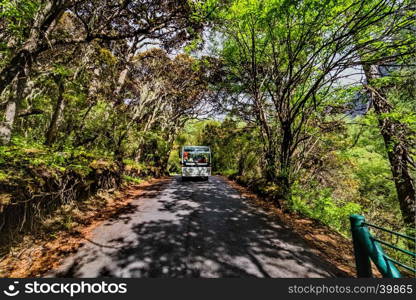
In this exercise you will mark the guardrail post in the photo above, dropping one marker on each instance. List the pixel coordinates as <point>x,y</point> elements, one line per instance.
<point>366,248</point>
<point>362,259</point>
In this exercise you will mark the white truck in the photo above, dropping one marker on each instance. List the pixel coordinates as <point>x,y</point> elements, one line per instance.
<point>196,161</point>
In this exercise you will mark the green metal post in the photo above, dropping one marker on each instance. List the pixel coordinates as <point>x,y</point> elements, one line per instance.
<point>365,248</point>
<point>362,259</point>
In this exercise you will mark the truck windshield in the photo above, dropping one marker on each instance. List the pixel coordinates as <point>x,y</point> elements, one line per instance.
<point>196,156</point>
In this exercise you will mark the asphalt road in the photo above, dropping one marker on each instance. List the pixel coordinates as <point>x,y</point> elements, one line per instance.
<point>194,229</point>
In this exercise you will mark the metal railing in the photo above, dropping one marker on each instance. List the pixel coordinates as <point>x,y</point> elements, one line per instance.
<point>367,248</point>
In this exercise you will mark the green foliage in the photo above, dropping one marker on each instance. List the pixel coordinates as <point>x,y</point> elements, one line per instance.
<point>131,179</point>
<point>17,15</point>
<point>229,173</point>
<point>319,204</point>
<point>236,148</point>
<point>23,152</point>
<point>348,173</point>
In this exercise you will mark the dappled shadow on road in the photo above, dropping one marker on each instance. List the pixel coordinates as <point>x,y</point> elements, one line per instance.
<point>206,230</point>
<point>124,214</point>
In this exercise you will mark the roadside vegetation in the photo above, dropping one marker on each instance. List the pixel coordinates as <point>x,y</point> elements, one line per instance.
<point>89,101</point>
<point>318,109</point>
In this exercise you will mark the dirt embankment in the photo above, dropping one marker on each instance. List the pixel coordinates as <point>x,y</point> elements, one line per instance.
<point>36,254</point>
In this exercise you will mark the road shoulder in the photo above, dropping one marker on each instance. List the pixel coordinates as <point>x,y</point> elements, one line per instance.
<point>35,256</point>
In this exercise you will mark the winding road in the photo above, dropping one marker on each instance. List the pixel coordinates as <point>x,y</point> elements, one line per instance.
<point>193,229</point>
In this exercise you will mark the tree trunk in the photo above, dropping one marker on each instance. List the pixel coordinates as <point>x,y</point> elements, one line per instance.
<point>6,127</point>
<point>395,136</point>
<point>284,178</point>
<point>271,162</point>
<point>21,61</point>
<point>149,123</point>
<point>15,67</point>
<point>241,164</point>
<point>35,43</point>
<point>57,114</point>
<point>165,161</point>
